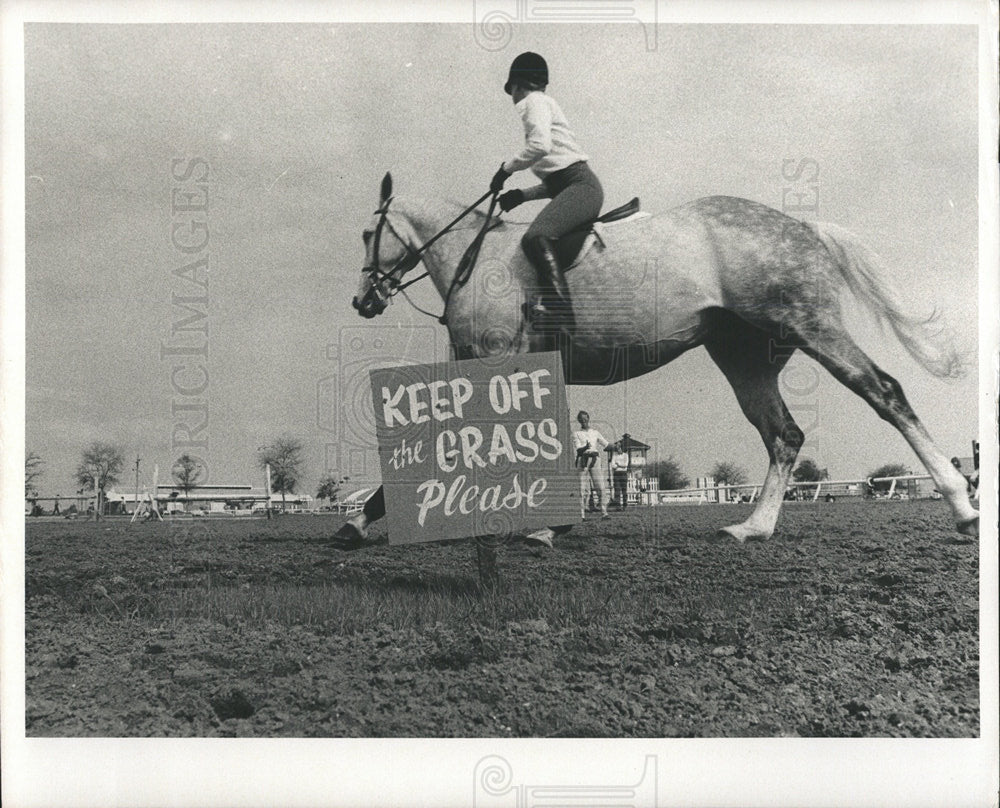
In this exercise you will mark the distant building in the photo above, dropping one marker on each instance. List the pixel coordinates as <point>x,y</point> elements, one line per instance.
<point>839,490</point>
<point>212,499</point>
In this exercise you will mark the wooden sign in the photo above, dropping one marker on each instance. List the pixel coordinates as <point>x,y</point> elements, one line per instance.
<point>475,448</point>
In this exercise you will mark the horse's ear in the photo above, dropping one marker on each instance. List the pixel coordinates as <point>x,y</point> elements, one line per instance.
<point>386,187</point>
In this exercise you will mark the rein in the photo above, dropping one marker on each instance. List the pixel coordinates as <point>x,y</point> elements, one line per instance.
<point>414,257</point>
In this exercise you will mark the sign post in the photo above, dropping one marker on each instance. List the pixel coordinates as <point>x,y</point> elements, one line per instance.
<point>479,447</point>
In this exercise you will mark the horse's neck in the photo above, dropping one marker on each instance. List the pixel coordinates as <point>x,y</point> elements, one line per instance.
<point>429,217</point>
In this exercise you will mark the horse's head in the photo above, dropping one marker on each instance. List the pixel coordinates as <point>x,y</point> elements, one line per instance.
<point>389,255</point>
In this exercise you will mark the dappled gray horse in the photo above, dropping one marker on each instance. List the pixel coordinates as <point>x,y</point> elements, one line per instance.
<point>749,283</point>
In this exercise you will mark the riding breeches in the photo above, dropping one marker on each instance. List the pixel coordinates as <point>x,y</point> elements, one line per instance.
<point>577,197</point>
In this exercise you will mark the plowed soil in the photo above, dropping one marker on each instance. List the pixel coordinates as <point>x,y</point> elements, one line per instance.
<point>855,619</point>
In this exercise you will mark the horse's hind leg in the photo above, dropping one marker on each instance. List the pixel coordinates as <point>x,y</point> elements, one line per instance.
<point>742,352</point>
<point>833,348</point>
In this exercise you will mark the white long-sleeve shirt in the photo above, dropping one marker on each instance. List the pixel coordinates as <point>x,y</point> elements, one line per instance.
<point>549,144</point>
<point>619,461</point>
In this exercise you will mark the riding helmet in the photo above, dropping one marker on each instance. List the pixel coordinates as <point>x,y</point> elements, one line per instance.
<point>527,67</point>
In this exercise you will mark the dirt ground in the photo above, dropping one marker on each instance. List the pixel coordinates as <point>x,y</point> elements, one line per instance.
<point>855,619</point>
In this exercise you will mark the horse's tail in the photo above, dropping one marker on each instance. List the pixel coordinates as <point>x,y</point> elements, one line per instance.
<point>926,337</point>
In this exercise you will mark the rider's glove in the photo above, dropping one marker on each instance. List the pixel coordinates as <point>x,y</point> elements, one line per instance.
<point>499,179</point>
<point>511,199</point>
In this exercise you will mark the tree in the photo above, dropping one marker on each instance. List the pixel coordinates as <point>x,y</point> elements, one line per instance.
<point>887,470</point>
<point>32,471</point>
<point>187,472</point>
<point>99,467</point>
<point>329,487</point>
<point>808,472</point>
<point>668,474</point>
<point>285,458</point>
<point>726,473</point>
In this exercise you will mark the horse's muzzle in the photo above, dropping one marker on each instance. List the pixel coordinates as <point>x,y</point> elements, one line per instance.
<point>369,306</point>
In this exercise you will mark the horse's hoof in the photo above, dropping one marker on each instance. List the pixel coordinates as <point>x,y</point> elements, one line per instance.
<point>543,536</point>
<point>741,533</point>
<point>729,533</point>
<point>348,537</point>
<point>969,527</point>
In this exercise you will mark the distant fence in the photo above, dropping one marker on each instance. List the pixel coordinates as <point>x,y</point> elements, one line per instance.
<point>906,486</point>
<point>81,508</point>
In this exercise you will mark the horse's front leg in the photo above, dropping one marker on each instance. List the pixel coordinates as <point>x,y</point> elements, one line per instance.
<point>355,530</point>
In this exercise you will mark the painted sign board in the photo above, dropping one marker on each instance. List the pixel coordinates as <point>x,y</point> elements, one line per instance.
<point>475,447</point>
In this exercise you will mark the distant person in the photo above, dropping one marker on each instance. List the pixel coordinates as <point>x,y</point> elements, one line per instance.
<point>55,507</point>
<point>619,474</point>
<point>589,445</point>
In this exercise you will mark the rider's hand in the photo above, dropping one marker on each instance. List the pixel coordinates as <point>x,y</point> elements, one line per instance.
<point>499,179</point>
<point>511,199</point>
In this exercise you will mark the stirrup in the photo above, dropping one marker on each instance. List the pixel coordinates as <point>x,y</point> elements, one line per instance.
<point>546,318</point>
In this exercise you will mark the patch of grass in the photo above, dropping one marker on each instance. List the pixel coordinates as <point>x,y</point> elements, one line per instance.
<point>420,602</point>
<point>354,606</point>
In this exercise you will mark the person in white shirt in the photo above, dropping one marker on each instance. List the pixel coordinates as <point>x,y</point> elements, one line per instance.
<point>552,153</point>
<point>589,444</point>
<point>619,475</point>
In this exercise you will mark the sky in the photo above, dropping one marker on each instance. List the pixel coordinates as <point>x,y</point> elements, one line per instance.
<point>293,126</point>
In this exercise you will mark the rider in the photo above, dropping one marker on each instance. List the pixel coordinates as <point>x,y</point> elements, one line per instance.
<point>552,153</point>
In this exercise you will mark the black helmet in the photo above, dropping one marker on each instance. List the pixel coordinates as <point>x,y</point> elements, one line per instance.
<point>528,67</point>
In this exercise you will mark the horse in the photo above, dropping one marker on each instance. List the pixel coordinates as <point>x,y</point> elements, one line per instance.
<point>749,283</point>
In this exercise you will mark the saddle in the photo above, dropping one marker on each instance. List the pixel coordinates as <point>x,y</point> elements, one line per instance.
<point>569,247</point>
<point>630,208</point>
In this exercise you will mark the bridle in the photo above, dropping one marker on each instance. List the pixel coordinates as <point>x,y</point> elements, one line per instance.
<point>388,284</point>
<point>391,279</point>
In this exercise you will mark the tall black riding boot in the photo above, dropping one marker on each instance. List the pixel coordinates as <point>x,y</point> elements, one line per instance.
<point>553,308</point>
